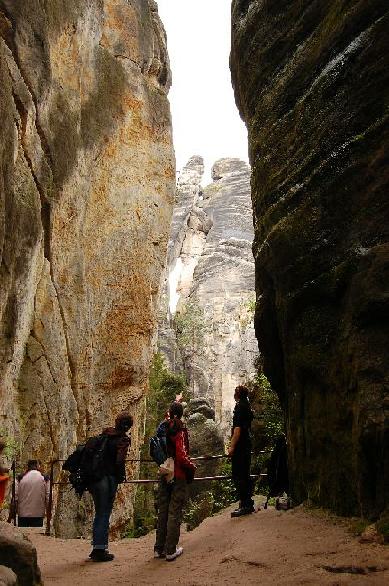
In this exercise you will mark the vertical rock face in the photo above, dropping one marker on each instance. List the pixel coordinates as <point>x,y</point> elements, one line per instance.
<point>211,281</point>
<point>312,83</point>
<point>206,438</point>
<point>86,177</point>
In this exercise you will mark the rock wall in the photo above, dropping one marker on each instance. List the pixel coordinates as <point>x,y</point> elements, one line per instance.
<point>206,439</point>
<point>18,556</point>
<point>312,84</point>
<point>86,182</point>
<point>211,284</point>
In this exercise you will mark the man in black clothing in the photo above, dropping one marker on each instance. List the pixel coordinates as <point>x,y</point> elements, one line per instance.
<point>240,452</point>
<point>104,490</point>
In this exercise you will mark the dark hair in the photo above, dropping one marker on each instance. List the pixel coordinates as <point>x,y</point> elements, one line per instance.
<point>242,392</point>
<point>176,410</point>
<point>32,464</point>
<point>124,421</point>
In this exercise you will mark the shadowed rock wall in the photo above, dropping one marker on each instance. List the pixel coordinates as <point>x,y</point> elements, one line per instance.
<point>86,184</point>
<point>312,84</point>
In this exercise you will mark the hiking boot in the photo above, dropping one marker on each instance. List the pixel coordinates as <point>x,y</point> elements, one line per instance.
<point>172,556</point>
<point>242,511</point>
<point>159,554</point>
<point>101,555</point>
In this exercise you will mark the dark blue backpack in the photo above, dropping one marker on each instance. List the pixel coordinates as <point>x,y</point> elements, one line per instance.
<point>158,444</point>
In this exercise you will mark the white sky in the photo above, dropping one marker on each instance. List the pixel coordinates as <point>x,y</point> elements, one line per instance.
<point>205,119</point>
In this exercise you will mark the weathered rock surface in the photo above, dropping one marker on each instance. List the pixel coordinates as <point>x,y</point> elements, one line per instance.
<point>7,577</point>
<point>211,284</point>
<point>312,83</point>
<point>19,555</point>
<point>86,183</point>
<point>206,439</point>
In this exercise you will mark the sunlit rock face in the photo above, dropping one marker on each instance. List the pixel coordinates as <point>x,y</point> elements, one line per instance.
<point>311,81</point>
<point>211,284</point>
<point>86,182</point>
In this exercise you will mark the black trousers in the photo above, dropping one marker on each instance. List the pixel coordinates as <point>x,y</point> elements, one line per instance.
<point>30,521</point>
<point>241,465</point>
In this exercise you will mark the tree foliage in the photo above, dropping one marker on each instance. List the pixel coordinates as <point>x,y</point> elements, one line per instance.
<point>268,423</point>
<point>189,325</point>
<point>164,385</point>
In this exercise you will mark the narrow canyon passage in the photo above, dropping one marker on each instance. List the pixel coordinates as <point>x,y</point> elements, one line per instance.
<point>125,282</point>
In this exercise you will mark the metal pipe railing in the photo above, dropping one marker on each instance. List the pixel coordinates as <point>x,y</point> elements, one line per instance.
<point>136,481</point>
<point>200,478</point>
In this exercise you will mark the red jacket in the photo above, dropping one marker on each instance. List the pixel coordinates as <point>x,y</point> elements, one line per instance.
<point>179,446</point>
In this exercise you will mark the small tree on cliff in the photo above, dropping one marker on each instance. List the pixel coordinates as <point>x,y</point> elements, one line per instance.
<point>189,325</point>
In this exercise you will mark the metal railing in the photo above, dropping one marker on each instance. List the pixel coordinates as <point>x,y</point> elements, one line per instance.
<point>53,483</point>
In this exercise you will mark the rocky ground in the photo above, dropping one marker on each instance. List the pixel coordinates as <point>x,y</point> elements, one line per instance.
<point>269,548</point>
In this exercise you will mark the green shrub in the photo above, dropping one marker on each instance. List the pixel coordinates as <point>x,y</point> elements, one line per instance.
<point>248,311</point>
<point>164,386</point>
<point>268,422</point>
<point>383,526</point>
<point>358,526</point>
<point>12,446</point>
<point>144,512</point>
<point>208,503</point>
<point>198,509</point>
<point>189,325</point>
<point>223,491</point>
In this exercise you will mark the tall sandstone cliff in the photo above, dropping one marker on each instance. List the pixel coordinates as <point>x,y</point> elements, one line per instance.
<point>311,81</point>
<point>211,284</point>
<point>86,184</point>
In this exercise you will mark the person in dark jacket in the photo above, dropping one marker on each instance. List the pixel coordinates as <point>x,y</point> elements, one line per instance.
<point>240,451</point>
<point>172,495</point>
<point>104,490</point>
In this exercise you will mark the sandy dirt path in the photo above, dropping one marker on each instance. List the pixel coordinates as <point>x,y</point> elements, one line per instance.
<point>269,548</point>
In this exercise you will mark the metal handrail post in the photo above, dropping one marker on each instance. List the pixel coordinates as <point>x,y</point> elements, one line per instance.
<point>50,503</point>
<point>13,497</point>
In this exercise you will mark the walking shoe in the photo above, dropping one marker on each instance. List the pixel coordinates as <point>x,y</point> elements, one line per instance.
<point>172,556</point>
<point>159,554</point>
<point>101,555</point>
<point>242,511</point>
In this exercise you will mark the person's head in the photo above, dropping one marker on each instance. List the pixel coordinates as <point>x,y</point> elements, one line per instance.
<point>2,445</point>
<point>124,422</point>
<point>241,393</point>
<point>176,410</point>
<point>33,465</point>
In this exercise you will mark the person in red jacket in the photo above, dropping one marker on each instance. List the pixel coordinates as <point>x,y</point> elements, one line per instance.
<point>172,495</point>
